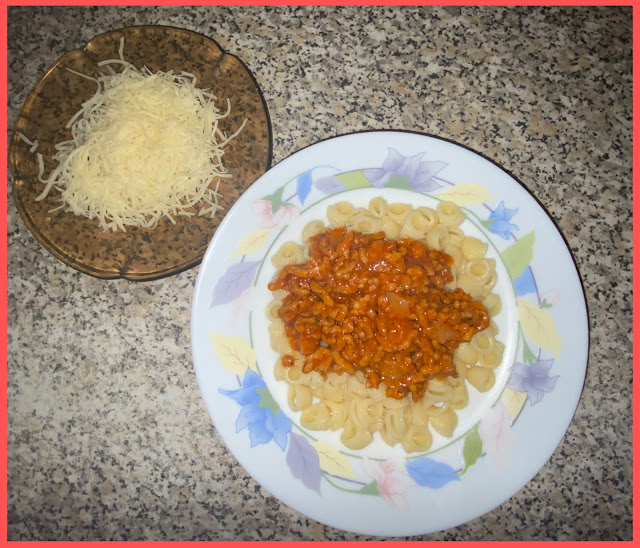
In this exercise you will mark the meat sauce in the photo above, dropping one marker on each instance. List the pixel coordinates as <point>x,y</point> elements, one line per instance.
<point>366,303</point>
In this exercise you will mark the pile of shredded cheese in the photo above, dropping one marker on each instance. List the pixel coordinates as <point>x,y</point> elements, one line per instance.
<point>146,145</point>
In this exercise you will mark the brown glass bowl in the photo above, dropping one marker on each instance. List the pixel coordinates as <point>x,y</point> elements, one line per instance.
<point>140,253</point>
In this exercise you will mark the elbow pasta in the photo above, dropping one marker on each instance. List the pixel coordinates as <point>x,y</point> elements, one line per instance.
<point>344,401</point>
<point>450,214</point>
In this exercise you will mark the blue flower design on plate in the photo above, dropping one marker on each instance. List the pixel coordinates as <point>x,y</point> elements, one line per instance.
<point>259,412</point>
<point>498,221</point>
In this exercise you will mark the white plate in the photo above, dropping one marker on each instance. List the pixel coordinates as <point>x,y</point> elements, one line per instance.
<point>504,436</point>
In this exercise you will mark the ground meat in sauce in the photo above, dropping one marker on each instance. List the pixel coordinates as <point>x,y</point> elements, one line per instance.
<point>366,303</point>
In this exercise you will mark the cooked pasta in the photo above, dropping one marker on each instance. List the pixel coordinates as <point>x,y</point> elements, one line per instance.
<point>365,222</point>
<point>398,213</point>
<point>473,248</point>
<point>445,422</point>
<point>418,223</point>
<point>455,235</point>
<point>436,238</point>
<point>493,304</point>
<point>481,378</point>
<point>345,399</point>
<point>338,214</point>
<point>450,214</point>
<point>378,207</point>
<point>311,229</point>
<point>390,227</point>
<point>289,253</point>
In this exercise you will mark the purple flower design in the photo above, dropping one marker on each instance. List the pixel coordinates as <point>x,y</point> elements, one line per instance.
<point>264,424</point>
<point>408,170</point>
<point>304,462</point>
<point>233,282</point>
<point>330,185</point>
<point>533,379</point>
<point>498,221</point>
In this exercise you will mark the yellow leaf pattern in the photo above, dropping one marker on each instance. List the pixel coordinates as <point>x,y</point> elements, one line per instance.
<point>465,194</point>
<point>332,461</point>
<point>234,353</point>
<point>514,401</point>
<point>539,326</point>
<point>253,242</point>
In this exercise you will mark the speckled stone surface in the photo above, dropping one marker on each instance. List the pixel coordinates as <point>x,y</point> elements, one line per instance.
<point>108,437</point>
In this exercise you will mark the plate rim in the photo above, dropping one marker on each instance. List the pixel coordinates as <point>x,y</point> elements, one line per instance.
<point>582,303</point>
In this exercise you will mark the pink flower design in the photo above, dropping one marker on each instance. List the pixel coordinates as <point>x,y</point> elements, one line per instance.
<point>549,298</point>
<point>285,214</point>
<point>392,480</point>
<point>262,209</point>
<point>239,307</point>
<point>268,218</point>
<point>497,436</point>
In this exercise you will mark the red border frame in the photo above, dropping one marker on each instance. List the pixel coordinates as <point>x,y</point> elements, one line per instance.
<point>3,215</point>
<point>3,258</point>
<point>324,3</point>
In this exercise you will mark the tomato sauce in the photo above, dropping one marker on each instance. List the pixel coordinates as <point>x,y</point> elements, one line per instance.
<point>366,303</point>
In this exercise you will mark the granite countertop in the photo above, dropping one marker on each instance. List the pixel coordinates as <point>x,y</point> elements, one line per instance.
<point>108,436</point>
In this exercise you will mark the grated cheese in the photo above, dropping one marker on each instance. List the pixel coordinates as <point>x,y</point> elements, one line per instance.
<point>145,146</point>
<point>33,144</point>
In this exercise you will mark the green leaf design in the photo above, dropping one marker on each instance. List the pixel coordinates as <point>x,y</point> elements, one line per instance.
<point>266,400</point>
<point>472,449</point>
<point>528,356</point>
<point>487,223</point>
<point>518,256</point>
<point>353,179</point>
<point>370,489</point>
<point>545,304</point>
<point>276,199</point>
<point>398,182</point>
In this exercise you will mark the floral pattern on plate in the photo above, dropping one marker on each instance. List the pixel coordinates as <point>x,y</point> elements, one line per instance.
<point>311,461</point>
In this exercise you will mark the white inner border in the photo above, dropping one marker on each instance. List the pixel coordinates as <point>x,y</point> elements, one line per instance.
<point>506,321</point>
